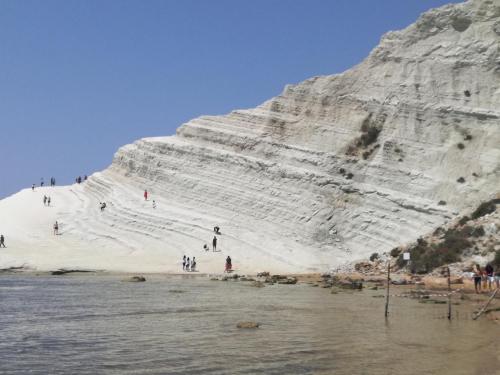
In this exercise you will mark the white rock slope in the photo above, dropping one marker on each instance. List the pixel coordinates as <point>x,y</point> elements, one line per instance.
<point>333,169</point>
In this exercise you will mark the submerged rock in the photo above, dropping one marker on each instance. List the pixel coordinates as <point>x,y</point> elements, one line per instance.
<point>135,279</point>
<point>258,284</point>
<point>248,325</point>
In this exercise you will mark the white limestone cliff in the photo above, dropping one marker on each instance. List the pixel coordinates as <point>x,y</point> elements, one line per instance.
<point>333,169</point>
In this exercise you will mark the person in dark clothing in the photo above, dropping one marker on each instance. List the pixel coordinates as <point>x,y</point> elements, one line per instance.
<point>477,278</point>
<point>183,262</point>
<point>103,206</point>
<point>490,275</point>
<point>41,182</point>
<point>44,200</point>
<point>229,264</point>
<point>214,244</point>
<point>187,264</point>
<point>48,201</point>
<point>217,230</point>
<point>33,187</point>
<point>2,241</point>
<point>205,247</point>
<point>193,265</point>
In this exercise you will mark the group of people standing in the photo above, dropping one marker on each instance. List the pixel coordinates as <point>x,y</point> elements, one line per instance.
<point>42,182</point>
<point>46,200</point>
<point>485,276</point>
<point>79,179</point>
<point>188,265</point>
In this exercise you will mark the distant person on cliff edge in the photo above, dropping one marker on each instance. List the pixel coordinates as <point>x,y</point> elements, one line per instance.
<point>145,195</point>
<point>33,187</point>
<point>2,241</point>
<point>214,243</point>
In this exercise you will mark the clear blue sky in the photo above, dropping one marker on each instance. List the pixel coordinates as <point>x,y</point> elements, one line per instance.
<point>78,79</point>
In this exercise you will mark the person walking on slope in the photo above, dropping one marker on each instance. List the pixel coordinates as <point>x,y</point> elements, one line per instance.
<point>214,243</point>
<point>145,195</point>
<point>48,201</point>
<point>229,264</point>
<point>2,240</point>
<point>56,228</point>
<point>44,200</point>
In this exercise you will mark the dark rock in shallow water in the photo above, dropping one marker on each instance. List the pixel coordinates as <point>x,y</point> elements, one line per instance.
<point>288,281</point>
<point>349,284</point>
<point>248,325</point>
<point>263,274</point>
<point>63,272</point>
<point>136,279</point>
<point>258,284</point>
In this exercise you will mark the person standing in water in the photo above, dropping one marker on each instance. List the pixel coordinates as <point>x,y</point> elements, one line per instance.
<point>2,240</point>
<point>145,195</point>
<point>214,243</point>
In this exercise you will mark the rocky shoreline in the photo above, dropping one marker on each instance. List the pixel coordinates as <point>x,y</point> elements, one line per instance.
<point>432,289</point>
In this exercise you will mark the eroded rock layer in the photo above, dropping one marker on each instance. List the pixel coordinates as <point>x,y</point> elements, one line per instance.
<point>334,168</point>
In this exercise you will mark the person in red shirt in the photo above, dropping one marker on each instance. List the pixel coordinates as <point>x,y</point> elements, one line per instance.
<point>145,195</point>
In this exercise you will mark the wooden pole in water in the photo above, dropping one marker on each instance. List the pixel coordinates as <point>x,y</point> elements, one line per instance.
<point>486,305</point>
<point>387,289</point>
<point>449,294</point>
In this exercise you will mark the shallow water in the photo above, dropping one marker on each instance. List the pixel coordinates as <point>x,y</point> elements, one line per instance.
<point>185,325</point>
